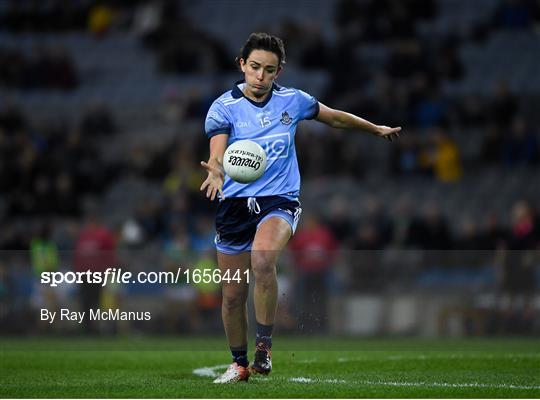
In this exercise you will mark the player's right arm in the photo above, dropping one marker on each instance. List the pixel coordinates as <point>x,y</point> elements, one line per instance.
<point>214,166</point>
<point>217,126</point>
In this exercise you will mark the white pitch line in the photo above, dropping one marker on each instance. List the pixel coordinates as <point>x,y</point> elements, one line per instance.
<point>302,379</point>
<point>417,384</point>
<point>307,361</point>
<point>437,357</point>
<point>452,385</point>
<point>334,381</point>
<point>211,373</point>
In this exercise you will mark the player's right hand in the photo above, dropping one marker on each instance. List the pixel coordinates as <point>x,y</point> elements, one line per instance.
<point>214,182</point>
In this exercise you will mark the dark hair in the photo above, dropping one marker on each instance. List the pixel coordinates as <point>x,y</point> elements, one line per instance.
<point>263,41</point>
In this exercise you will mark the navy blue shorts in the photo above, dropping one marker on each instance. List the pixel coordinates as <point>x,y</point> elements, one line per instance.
<point>238,218</point>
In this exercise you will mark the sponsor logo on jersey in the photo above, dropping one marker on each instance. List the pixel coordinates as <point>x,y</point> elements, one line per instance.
<point>275,145</point>
<point>243,124</point>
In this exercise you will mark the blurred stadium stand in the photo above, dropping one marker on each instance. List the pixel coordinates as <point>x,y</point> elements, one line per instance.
<point>123,140</point>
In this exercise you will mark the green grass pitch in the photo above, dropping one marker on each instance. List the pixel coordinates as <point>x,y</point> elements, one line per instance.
<point>303,367</point>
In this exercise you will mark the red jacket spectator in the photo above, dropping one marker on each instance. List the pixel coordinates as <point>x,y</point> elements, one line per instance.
<point>313,246</point>
<point>95,248</point>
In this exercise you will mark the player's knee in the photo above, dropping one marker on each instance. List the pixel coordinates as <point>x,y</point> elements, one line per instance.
<point>263,264</point>
<point>234,299</point>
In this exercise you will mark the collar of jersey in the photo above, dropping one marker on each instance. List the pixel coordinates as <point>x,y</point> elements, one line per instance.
<point>237,93</point>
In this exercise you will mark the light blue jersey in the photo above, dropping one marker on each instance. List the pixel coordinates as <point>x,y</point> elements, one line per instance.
<point>272,124</point>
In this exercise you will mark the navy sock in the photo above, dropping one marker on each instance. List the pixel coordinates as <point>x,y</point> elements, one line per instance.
<point>239,355</point>
<point>264,335</point>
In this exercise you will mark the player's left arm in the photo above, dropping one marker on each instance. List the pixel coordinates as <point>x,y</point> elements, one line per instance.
<point>344,120</point>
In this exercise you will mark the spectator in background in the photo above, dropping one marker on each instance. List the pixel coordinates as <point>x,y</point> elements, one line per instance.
<point>45,258</point>
<point>208,292</point>
<point>181,297</point>
<point>198,52</point>
<point>174,106</point>
<point>376,217</point>
<point>314,53</point>
<point>402,218</point>
<point>339,218</point>
<point>366,237</point>
<point>525,230</point>
<point>97,120</point>
<point>20,284</point>
<point>521,145</point>
<point>493,232</point>
<point>178,245</point>
<point>100,19</point>
<point>430,231</point>
<point>314,249</point>
<point>95,250</point>
<point>492,144</point>
<point>401,20</point>
<point>5,298</point>
<point>504,105</point>
<point>12,67</point>
<point>351,16</point>
<point>365,259</point>
<point>372,233</point>
<point>518,258</point>
<point>39,16</point>
<point>13,236</point>
<point>147,19</point>
<point>148,217</point>
<point>305,43</point>
<point>45,68</point>
<point>431,110</point>
<point>445,158</point>
<point>515,14</point>
<point>4,161</point>
<point>43,251</point>
<point>61,72</point>
<point>447,64</point>
<point>203,233</point>
<point>11,117</point>
<point>65,233</point>
<point>468,236</point>
<point>22,165</point>
<point>43,193</point>
<point>176,213</point>
<point>472,111</point>
<point>405,156</point>
<point>80,156</point>
<point>36,70</point>
<point>66,199</point>
<point>131,235</point>
<point>406,59</point>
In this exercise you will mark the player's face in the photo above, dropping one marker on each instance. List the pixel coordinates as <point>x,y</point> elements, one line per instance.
<point>260,70</point>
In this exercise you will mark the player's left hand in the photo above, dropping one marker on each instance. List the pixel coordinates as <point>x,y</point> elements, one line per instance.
<point>388,132</point>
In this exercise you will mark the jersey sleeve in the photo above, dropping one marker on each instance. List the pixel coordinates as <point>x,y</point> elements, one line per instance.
<point>308,105</point>
<point>217,121</point>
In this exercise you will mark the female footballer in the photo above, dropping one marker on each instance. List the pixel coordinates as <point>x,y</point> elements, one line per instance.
<point>255,221</point>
